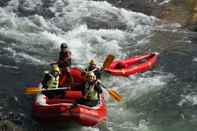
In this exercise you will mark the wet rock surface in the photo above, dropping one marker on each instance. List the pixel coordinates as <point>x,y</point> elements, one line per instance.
<point>6,125</point>
<point>183,12</point>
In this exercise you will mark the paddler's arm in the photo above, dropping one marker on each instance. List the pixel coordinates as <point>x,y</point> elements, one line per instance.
<point>98,87</point>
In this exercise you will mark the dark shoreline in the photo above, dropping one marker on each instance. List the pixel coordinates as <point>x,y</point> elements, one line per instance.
<point>176,11</point>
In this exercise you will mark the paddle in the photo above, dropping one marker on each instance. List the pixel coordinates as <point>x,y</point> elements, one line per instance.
<point>108,60</point>
<point>35,90</point>
<point>115,96</point>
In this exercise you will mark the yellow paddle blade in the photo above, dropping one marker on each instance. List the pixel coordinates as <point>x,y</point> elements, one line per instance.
<point>109,59</point>
<point>115,96</point>
<point>32,90</point>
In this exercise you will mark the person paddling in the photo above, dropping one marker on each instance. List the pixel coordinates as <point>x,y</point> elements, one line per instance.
<point>91,90</point>
<point>51,80</point>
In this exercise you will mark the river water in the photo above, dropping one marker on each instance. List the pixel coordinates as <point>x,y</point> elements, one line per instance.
<point>31,31</point>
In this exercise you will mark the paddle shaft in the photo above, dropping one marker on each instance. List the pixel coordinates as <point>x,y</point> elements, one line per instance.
<point>60,88</point>
<point>35,90</point>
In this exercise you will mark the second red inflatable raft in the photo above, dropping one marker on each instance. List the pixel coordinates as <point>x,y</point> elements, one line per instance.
<point>133,65</point>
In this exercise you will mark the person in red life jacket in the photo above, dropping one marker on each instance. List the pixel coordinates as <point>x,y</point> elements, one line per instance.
<point>51,81</point>
<point>64,62</point>
<point>93,68</point>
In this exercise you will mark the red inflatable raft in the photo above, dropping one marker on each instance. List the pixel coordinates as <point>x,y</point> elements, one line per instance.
<point>132,65</point>
<point>62,109</point>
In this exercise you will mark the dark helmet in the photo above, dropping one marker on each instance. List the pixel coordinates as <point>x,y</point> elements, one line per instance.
<point>63,45</point>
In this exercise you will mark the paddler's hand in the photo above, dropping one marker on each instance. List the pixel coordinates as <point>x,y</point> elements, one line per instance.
<point>69,87</point>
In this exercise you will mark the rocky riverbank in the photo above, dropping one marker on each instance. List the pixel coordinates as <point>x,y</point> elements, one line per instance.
<point>181,11</point>
<point>175,11</point>
<point>192,5</point>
